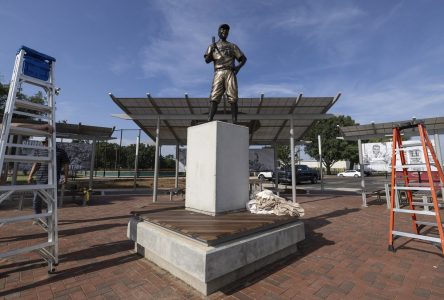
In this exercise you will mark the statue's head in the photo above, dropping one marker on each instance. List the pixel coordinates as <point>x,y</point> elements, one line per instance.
<point>223,31</point>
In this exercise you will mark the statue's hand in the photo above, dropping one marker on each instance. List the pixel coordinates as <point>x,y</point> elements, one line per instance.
<point>236,69</point>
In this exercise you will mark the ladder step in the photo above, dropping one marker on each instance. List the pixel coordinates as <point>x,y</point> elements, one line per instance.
<point>47,256</point>
<point>412,188</point>
<point>412,165</point>
<point>32,106</point>
<point>417,236</point>
<point>412,211</point>
<point>428,223</point>
<point>426,204</point>
<point>23,218</point>
<point>26,146</point>
<point>27,187</point>
<point>35,81</point>
<point>406,146</point>
<point>35,116</point>
<point>28,131</point>
<point>26,249</point>
<point>26,158</point>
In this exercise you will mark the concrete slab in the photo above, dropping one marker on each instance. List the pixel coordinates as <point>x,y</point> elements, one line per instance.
<point>209,268</point>
<point>217,168</point>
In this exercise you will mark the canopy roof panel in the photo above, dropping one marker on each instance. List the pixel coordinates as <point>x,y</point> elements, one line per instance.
<point>267,118</point>
<point>380,130</point>
<point>83,132</point>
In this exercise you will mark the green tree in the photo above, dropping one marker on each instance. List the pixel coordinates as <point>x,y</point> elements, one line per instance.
<point>284,155</point>
<point>38,97</point>
<point>3,96</point>
<point>333,149</point>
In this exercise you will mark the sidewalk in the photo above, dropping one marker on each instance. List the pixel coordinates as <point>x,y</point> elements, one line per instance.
<point>344,256</point>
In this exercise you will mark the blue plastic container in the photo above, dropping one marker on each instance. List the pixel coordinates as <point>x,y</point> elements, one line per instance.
<point>36,64</point>
<point>36,68</point>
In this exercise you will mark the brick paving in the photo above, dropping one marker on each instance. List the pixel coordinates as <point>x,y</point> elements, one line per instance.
<point>344,256</point>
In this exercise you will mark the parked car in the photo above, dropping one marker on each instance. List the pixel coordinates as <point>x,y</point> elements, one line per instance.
<point>350,173</point>
<point>303,173</point>
<point>265,175</point>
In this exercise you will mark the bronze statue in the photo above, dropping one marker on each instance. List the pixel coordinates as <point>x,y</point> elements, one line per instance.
<point>223,54</point>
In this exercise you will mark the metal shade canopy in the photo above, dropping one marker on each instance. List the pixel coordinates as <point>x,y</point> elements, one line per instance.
<point>83,132</point>
<point>380,130</point>
<point>75,131</point>
<point>267,118</point>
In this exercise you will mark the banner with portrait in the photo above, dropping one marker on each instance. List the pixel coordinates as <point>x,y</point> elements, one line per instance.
<point>378,156</point>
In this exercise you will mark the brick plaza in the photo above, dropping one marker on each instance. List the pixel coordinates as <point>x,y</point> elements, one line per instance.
<point>344,256</point>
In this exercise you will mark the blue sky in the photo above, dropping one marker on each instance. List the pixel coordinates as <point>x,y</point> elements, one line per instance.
<point>385,57</point>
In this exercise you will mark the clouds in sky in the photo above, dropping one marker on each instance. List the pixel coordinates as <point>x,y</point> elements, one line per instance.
<point>385,57</point>
<point>318,48</point>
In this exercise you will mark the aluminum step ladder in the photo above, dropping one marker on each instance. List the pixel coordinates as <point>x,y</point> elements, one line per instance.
<point>35,69</point>
<point>424,208</point>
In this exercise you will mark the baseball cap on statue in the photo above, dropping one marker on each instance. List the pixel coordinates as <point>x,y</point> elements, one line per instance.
<point>225,26</point>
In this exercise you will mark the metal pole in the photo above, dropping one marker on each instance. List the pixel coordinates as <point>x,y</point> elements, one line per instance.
<point>293,169</point>
<point>115,160</point>
<point>120,153</point>
<point>276,170</point>
<point>104,159</point>
<point>91,167</point>
<point>176,181</point>
<point>156,162</point>
<point>361,166</point>
<point>136,160</point>
<point>321,171</point>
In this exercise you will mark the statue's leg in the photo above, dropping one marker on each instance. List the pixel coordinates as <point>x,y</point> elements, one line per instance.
<point>212,112</point>
<point>217,90</point>
<point>234,112</point>
<point>232,97</point>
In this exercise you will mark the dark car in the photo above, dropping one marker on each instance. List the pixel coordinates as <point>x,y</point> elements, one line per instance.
<point>303,173</point>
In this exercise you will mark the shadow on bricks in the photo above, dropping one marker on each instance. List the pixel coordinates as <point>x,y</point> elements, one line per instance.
<point>84,254</point>
<point>75,271</point>
<point>313,241</point>
<point>62,233</point>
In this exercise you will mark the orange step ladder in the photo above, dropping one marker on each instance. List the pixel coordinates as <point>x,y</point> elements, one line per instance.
<point>424,208</point>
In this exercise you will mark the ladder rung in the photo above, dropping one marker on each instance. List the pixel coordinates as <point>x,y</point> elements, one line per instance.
<point>426,204</point>
<point>26,158</point>
<point>27,187</point>
<point>35,116</point>
<point>412,165</point>
<point>28,131</point>
<point>23,218</point>
<point>412,188</point>
<point>25,146</point>
<point>35,81</point>
<point>405,146</point>
<point>26,249</point>
<point>46,255</point>
<point>32,105</point>
<point>417,236</point>
<point>412,211</point>
<point>428,223</point>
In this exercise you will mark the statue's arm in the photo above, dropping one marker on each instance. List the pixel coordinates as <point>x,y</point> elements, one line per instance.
<point>208,56</point>
<point>242,60</point>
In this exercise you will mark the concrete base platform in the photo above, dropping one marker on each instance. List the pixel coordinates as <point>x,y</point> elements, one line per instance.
<point>209,268</point>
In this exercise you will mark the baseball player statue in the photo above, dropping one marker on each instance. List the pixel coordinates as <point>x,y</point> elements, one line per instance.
<point>223,54</point>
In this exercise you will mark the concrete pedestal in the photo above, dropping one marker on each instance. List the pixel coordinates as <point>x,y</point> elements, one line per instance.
<point>209,268</point>
<point>217,168</point>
